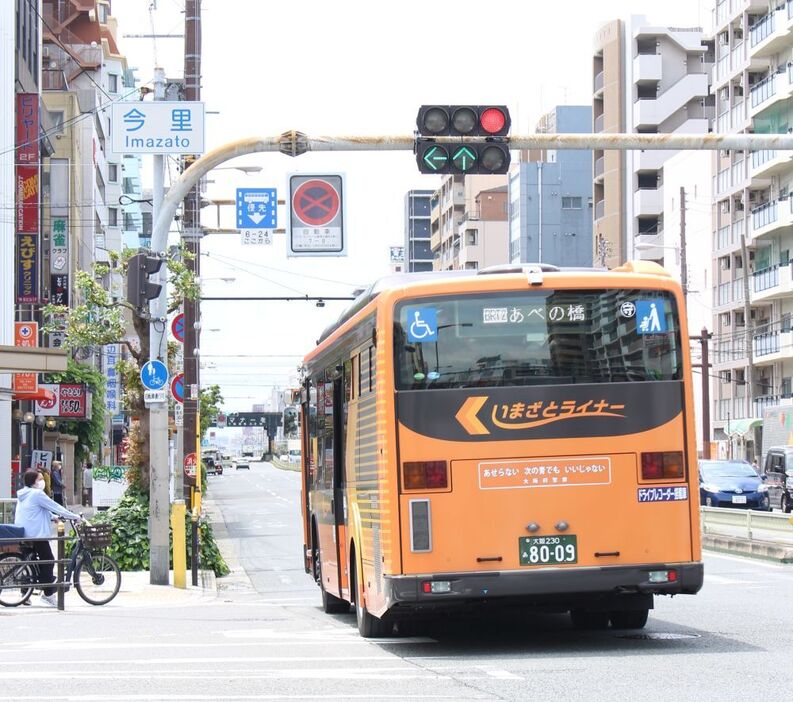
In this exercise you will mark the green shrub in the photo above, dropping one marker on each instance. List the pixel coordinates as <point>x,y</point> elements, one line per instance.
<point>130,544</point>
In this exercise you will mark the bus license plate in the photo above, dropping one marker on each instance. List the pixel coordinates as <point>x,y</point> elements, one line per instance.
<point>548,550</point>
<point>739,499</point>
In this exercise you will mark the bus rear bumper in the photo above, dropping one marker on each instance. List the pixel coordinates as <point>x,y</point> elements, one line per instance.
<point>552,586</point>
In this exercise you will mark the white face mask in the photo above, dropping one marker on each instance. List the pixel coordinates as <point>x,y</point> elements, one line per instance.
<point>39,485</point>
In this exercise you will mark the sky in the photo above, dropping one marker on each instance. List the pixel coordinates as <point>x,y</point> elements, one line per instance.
<point>359,68</point>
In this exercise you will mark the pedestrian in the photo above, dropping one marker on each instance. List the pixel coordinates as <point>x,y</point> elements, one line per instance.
<point>45,473</point>
<point>57,483</point>
<point>34,513</point>
<point>756,467</point>
<point>88,484</point>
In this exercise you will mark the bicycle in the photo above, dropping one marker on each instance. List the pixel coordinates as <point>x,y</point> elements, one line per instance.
<point>95,575</point>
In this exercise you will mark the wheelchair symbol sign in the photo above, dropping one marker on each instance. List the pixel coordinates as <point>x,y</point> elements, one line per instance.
<point>422,324</point>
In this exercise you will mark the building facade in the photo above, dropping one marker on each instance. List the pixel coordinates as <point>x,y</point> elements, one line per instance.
<point>647,80</point>
<point>469,209</point>
<point>753,222</point>
<point>550,197</point>
<point>418,252</point>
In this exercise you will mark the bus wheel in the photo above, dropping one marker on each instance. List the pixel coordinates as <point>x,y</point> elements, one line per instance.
<point>369,627</point>
<point>330,603</point>
<point>588,620</point>
<point>630,619</point>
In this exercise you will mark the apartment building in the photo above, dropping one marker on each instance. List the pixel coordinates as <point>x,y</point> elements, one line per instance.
<point>646,79</point>
<point>460,234</point>
<point>418,252</point>
<point>753,85</point>
<point>550,196</point>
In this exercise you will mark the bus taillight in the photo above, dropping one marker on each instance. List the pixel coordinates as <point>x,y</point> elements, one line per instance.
<point>425,475</point>
<point>663,465</point>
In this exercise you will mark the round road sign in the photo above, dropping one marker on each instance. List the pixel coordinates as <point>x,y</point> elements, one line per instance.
<point>177,387</point>
<point>316,203</point>
<point>177,327</point>
<point>190,464</point>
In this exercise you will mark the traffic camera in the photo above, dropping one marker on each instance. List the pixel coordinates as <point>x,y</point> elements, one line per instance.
<point>489,154</point>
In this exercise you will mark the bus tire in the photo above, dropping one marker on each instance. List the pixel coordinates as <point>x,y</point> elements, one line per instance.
<point>330,603</point>
<point>629,619</point>
<point>589,620</point>
<point>369,626</point>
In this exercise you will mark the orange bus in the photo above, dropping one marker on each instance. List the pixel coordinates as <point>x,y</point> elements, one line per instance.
<point>521,435</point>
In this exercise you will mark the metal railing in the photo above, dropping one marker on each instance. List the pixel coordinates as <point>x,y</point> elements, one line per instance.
<point>715,519</point>
<point>760,30</point>
<point>763,90</point>
<point>765,279</point>
<point>60,561</point>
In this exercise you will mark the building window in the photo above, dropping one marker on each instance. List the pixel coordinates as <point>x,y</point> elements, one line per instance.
<point>56,120</point>
<point>112,83</point>
<point>471,265</point>
<point>725,376</point>
<point>786,388</point>
<point>571,203</point>
<point>470,237</point>
<point>112,172</point>
<point>112,216</point>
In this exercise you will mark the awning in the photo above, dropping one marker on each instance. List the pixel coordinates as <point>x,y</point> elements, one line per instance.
<point>39,395</point>
<point>741,427</point>
<point>23,359</point>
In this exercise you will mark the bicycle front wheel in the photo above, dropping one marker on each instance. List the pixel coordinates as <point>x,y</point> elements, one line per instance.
<point>97,578</point>
<point>16,580</point>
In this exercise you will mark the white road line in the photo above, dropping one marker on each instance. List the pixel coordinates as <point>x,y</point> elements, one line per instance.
<point>722,580</point>
<point>221,662</point>
<point>82,697</point>
<point>502,674</point>
<point>747,561</point>
<point>402,673</point>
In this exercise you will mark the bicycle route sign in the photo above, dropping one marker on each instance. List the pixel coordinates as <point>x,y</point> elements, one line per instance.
<point>154,375</point>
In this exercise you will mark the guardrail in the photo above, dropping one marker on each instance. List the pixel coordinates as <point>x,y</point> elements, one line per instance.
<point>714,517</point>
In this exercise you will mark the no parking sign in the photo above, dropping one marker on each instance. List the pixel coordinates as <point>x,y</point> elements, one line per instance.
<point>316,215</point>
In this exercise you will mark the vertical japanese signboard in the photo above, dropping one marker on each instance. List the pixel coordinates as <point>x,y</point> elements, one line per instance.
<point>113,391</point>
<point>59,231</point>
<point>27,197</point>
<point>26,334</point>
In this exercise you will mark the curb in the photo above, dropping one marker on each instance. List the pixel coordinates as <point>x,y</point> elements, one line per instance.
<point>764,550</point>
<point>280,465</point>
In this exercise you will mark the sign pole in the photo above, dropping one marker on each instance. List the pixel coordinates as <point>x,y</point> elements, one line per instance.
<point>159,499</point>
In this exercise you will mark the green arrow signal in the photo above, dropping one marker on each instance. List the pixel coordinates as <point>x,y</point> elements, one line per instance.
<point>436,158</point>
<point>464,158</point>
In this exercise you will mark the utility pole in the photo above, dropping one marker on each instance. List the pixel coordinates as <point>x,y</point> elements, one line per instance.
<point>683,263</point>
<point>191,223</point>
<point>159,503</point>
<point>703,339</point>
<point>749,327</point>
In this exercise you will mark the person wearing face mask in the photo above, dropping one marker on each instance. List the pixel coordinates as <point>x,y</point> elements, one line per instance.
<point>34,513</point>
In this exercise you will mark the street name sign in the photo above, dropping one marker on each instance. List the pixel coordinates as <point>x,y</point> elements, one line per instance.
<point>157,127</point>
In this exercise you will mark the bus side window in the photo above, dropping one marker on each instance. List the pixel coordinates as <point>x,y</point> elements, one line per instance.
<point>360,373</point>
<point>371,370</point>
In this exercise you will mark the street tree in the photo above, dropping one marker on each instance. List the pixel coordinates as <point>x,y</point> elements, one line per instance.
<point>99,318</point>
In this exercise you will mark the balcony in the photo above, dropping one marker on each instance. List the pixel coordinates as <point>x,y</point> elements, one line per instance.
<point>648,201</point>
<point>769,91</point>
<point>598,84</point>
<point>647,67</point>
<point>730,408</point>
<point>600,167</point>
<point>600,209</point>
<point>770,35</point>
<point>770,162</point>
<point>731,350</point>
<point>771,216</point>
<point>760,403</point>
<point>772,283</point>
<point>771,347</point>
<point>650,238</point>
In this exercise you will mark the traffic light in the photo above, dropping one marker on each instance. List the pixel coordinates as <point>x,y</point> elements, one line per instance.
<point>491,155</point>
<point>139,289</point>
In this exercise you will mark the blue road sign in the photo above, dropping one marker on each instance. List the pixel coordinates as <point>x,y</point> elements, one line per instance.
<point>154,375</point>
<point>257,208</point>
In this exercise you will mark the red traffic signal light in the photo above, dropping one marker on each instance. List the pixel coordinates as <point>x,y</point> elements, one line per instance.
<point>463,120</point>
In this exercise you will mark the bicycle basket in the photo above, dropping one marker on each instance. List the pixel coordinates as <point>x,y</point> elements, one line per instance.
<point>95,535</point>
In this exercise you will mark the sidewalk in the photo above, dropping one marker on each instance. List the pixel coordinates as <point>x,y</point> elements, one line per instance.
<point>237,580</point>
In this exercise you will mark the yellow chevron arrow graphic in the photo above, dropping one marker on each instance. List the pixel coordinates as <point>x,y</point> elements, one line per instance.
<point>466,415</point>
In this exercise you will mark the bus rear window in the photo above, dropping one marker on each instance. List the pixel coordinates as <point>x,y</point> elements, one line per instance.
<point>539,337</point>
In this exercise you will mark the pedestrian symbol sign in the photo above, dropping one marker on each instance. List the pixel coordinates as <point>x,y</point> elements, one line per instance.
<point>650,317</point>
<point>154,375</point>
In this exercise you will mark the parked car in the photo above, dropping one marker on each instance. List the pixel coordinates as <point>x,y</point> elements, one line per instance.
<point>732,484</point>
<point>294,455</point>
<point>778,472</point>
<point>212,461</point>
<point>226,461</point>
